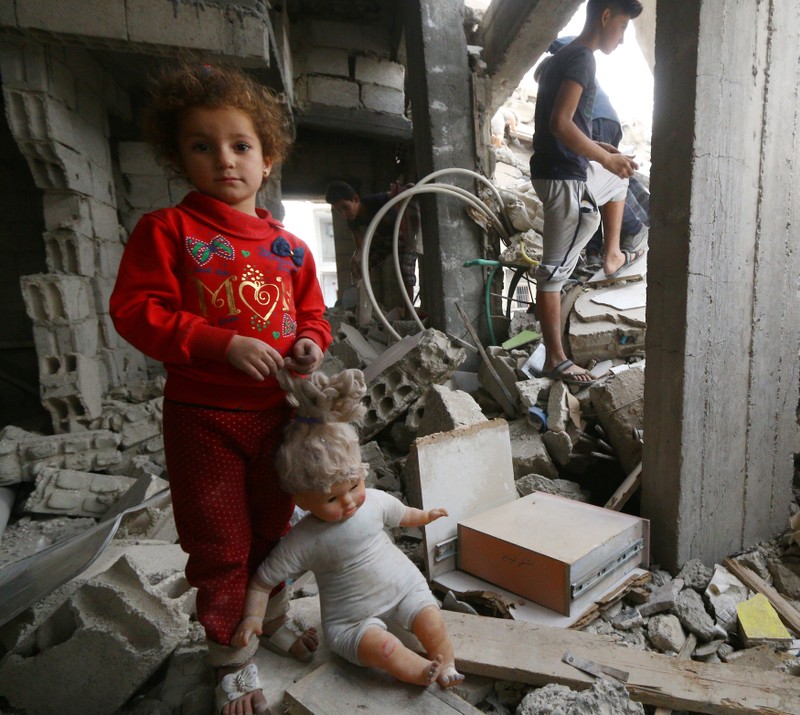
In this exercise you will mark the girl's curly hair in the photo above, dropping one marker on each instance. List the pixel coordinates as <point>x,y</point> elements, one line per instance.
<point>321,445</point>
<point>178,89</point>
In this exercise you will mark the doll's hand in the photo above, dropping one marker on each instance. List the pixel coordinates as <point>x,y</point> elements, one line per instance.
<point>305,357</point>
<point>254,357</point>
<point>438,513</point>
<point>247,628</point>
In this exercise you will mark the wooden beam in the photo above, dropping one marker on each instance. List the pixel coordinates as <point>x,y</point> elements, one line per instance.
<point>685,654</point>
<point>531,653</point>
<point>625,490</point>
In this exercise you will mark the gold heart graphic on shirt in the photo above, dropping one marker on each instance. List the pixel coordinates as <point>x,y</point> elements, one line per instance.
<point>260,294</point>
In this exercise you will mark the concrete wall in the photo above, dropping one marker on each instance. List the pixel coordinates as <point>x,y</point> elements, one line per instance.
<point>723,312</point>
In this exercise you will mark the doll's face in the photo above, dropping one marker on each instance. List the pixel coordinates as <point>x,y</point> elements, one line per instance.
<point>338,504</point>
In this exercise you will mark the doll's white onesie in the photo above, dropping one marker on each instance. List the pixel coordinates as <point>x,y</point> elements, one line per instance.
<point>362,576</point>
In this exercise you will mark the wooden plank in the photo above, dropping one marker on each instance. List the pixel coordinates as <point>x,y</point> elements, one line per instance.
<point>788,613</point>
<point>685,654</point>
<point>340,687</point>
<point>626,490</point>
<point>531,653</point>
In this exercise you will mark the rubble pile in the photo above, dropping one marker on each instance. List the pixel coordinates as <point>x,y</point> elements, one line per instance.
<point>120,637</point>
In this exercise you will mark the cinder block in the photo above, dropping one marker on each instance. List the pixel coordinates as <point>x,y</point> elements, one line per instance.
<point>354,38</point>
<point>35,58</point>
<point>102,183</point>
<point>62,83</point>
<point>68,337</point>
<point>73,380</point>
<point>382,99</point>
<point>69,252</point>
<point>108,255</point>
<point>75,168</point>
<point>332,91</point>
<point>56,299</point>
<point>12,62</point>
<point>105,220</point>
<point>403,372</point>
<point>67,210</point>
<point>323,60</point>
<point>8,18</point>
<point>380,72</point>
<point>98,648</point>
<point>147,192</point>
<point>87,72</point>
<point>73,17</point>
<point>23,453</point>
<point>70,493</point>
<point>138,158</point>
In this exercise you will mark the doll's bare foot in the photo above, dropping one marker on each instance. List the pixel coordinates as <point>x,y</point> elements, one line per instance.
<point>239,690</point>
<point>432,671</point>
<point>449,676</point>
<point>286,635</point>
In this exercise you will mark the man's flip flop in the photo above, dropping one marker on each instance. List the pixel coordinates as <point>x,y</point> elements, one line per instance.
<point>630,257</point>
<point>559,372</point>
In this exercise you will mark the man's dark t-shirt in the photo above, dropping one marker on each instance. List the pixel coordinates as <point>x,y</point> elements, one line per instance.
<point>372,204</point>
<point>551,159</point>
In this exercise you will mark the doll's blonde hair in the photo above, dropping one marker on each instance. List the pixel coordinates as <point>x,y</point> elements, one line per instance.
<point>320,446</point>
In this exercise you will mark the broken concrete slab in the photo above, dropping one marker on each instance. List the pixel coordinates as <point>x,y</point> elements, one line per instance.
<point>619,405</point>
<point>23,453</point>
<point>604,696</point>
<point>558,407</point>
<point>97,649</point>
<point>536,483</point>
<point>691,611</point>
<point>666,633</point>
<point>403,372</point>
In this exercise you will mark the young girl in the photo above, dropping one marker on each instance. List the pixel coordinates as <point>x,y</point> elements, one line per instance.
<point>225,297</point>
<point>363,578</point>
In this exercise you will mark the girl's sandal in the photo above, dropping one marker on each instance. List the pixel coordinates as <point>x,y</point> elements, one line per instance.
<point>286,640</point>
<point>236,685</point>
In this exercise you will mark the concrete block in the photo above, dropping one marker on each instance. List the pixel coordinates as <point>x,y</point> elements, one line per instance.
<point>8,18</point>
<point>69,252</point>
<point>52,299</point>
<point>506,368</point>
<point>331,91</point>
<point>98,648</point>
<point>535,483</point>
<point>354,38</point>
<point>138,158</point>
<point>62,83</point>
<point>619,405</point>
<point>696,574</point>
<point>23,453</point>
<point>148,192</point>
<point>529,454</point>
<point>67,210</point>
<point>444,409</point>
<point>102,182</point>
<point>403,372</point>
<point>69,493</point>
<point>602,332</point>
<point>559,446</point>
<point>108,256</point>
<point>73,17</point>
<point>691,611</point>
<point>377,71</point>
<point>70,386</point>
<point>75,168</point>
<point>136,423</point>
<point>87,72</point>
<point>105,220</point>
<point>383,99</point>
<point>323,60</point>
<point>61,338</point>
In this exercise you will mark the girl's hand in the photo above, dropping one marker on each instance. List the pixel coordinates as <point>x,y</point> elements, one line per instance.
<point>438,513</point>
<point>305,357</point>
<point>254,357</point>
<point>247,628</point>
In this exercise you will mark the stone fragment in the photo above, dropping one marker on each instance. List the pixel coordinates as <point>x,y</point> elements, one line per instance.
<point>627,619</point>
<point>604,696</point>
<point>535,482</point>
<point>691,611</point>
<point>665,633</point>
<point>619,405</point>
<point>528,452</point>
<point>559,446</point>
<point>785,578</point>
<point>663,598</point>
<point>557,407</point>
<point>696,575</point>
<point>444,409</point>
<point>534,392</point>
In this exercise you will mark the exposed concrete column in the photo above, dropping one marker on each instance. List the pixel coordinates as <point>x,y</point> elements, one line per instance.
<point>441,102</point>
<point>722,310</point>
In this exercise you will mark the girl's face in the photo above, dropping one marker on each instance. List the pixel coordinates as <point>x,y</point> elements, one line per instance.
<point>222,156</point>
<point>339,504</point>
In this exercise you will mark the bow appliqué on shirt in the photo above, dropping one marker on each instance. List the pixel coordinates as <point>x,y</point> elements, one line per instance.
<point>203,252</point>
<point>280,247</point>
